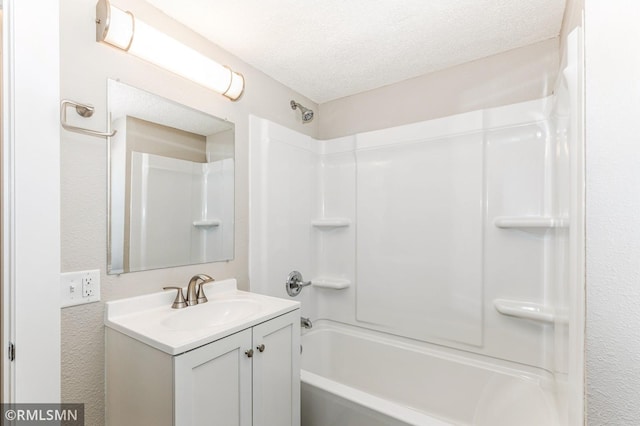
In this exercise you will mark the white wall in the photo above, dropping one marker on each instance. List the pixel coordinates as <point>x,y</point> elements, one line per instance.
<point>85,66</point>
<point>613,211</point>
<point>515,76</point>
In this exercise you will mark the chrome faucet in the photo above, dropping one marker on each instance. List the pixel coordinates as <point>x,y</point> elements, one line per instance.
<point>305,322</point>
<point>195,292</point>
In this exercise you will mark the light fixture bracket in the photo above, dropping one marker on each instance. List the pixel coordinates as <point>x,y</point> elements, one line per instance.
<point>103,19</point>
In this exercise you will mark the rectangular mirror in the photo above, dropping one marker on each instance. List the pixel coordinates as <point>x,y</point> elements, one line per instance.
<point>171,183</point>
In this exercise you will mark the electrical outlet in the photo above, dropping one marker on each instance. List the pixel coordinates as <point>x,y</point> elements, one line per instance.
<point>88,286</point>
<point>80,287</point>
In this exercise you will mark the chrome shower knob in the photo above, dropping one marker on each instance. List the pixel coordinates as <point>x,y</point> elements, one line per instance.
<point>294,283</point>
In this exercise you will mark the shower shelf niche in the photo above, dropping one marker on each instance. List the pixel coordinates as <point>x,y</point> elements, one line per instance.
<point>331,222</point>
<point>332,283</point>
<point>211,223</point>
<point>530,222</point>
<point>526,310</point>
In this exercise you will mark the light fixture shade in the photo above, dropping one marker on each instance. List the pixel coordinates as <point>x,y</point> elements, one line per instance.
<point>120,29</point>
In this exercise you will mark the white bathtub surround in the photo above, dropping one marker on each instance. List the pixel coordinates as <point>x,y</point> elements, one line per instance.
<point>416,207</point>
<point>404,382</point>
<point>458,244</point>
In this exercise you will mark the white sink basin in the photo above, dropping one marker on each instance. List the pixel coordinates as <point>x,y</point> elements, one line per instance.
<point>210,314</point>
<point>151,320</point>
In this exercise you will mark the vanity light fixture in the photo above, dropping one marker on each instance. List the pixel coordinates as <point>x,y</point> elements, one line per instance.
<point>121,29</point>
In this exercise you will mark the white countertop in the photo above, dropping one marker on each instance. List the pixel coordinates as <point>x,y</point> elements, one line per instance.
<point>142,317</point>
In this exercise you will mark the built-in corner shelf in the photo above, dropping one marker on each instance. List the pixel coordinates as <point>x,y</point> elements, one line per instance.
<point>205,224</point>
<point>526,310</point>
<point>530,222</point>
<point>333,283</point>
<point>331,222</point>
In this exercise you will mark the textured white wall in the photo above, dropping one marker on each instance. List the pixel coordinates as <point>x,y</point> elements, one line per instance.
<point>613,211</point>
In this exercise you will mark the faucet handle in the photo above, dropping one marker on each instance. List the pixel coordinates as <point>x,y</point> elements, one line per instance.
<point>201,296</point>
<point>294,283</point>
<point>179,302</point>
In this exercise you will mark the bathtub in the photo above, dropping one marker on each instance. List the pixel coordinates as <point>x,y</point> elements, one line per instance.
<point>357,377</point>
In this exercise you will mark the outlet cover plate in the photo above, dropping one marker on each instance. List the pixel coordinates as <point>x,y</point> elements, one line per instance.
<point>80,287</point>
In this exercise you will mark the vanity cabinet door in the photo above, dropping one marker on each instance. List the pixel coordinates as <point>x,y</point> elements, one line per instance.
<point>276,371</point>
<point>213,383</point>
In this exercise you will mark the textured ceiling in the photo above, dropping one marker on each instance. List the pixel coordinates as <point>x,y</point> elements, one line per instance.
<point>328,49</point>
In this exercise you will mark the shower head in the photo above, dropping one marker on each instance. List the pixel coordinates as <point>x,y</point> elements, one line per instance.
<point>307,114</point>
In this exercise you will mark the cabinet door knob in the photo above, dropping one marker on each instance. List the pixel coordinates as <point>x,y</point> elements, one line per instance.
<point>260,347</point>
<point>249,353</point>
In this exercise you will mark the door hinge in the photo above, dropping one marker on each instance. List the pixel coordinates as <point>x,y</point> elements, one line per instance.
<point>11,352</point>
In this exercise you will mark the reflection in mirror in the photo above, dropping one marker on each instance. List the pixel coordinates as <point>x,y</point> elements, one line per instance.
<point>171,183</point>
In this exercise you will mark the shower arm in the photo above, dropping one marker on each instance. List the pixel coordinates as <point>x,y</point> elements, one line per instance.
<point>307,114</point>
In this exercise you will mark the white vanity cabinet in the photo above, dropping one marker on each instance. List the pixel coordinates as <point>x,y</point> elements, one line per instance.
<point>250,377</point>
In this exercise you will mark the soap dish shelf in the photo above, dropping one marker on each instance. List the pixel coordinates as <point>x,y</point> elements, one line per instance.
<point>331,222</point>
<point>332,283</point>
<point>206,224</point>
<point>530,222</point>
<point>526,310</point>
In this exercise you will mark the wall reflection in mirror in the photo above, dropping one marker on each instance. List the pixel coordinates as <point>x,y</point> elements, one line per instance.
<point>171,183</point>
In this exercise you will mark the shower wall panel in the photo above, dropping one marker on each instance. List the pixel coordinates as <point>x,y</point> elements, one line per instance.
<point>516,260</point>
<point>419,243</point>
<point>335,254</point>
<point>284,181</point>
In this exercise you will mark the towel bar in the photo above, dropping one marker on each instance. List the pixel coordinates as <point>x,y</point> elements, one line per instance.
<point>83,111</point>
